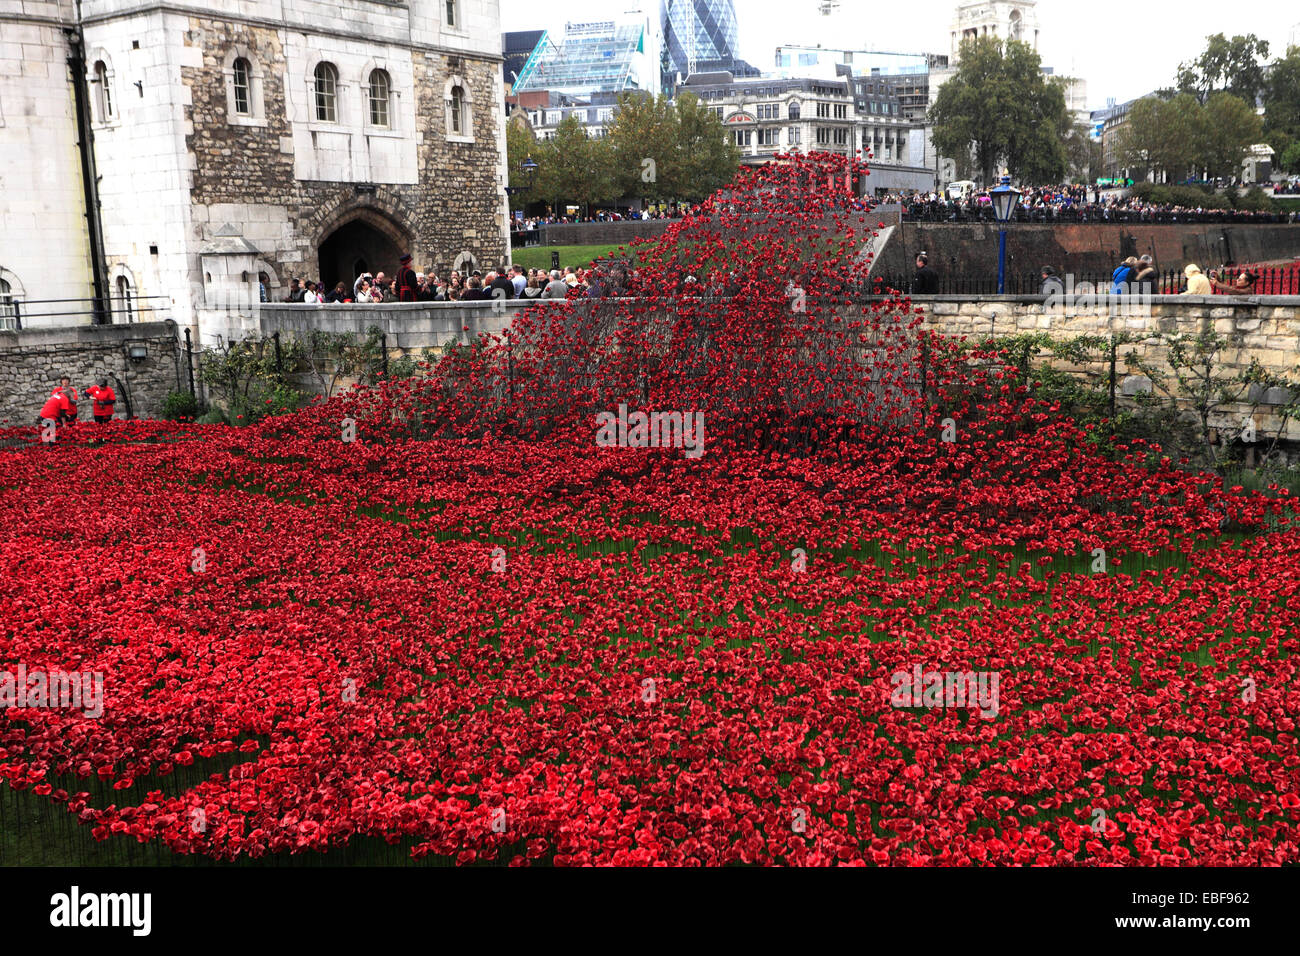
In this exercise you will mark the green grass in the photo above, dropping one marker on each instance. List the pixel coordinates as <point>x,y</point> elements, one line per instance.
<point>539,257</point>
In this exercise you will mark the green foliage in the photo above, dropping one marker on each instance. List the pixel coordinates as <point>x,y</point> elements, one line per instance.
<point>575,168</point>
<point>1233,66</point>
<point>1255,200</point>
<point>708,158</point>
<point>178,406</point>
<point>1282,109</point>
<point>330,357</point>
<point>1178,135</point>
<point>244,378</point>
<point>521,144</point>
<point>1162,135</point>
<point>690,155</point>
<point>644,140</point>
<point>1084,155</point>
<point>411,366</point>
<point>213,416</point>
<point>1229,128</point>
<point>1000,105</point>
<point>1191,196</point>
<point>239,370</point>
<point>1290,159</point>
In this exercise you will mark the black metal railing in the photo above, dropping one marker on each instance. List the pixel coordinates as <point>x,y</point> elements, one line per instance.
<point>982,213</point>
<point>14,311</point>
<point>1282,280</point>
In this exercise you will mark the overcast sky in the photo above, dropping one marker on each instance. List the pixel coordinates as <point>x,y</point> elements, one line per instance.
<point>1083,37</point>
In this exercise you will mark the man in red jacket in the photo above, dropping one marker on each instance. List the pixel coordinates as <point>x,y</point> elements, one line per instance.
<point>55,409</point>
<point>70,395</point>
<point>102,398</point>
<point>407,286</point>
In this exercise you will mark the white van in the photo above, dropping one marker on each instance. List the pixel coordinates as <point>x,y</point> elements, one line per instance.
<point>961,190</point>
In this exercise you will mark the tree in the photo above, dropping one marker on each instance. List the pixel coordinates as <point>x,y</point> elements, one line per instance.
<point>1234,66</point>
<point>1162,135</point>
<point>1229,128</point>
<point>1290,160</point>
<point>521,144</point>
<point>708,159</point>
<point>1001,107</point>
<point>1083,153</point>
<point>575,167</point>
<point>1282,103</point>
<point>644,142</point>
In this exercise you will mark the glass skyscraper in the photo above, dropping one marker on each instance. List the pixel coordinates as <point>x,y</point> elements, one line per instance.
<point>699,37</point>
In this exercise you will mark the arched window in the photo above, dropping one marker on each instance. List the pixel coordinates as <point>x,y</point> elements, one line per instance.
<point>8,308</point>
<point>1016,27</point>
<point>243,84</point>
<point>124,304</point>
<point>794,109</point>
<point>381,91</point>
<point>326,93</point>
<point>101,89</point>
<point>456,111</point>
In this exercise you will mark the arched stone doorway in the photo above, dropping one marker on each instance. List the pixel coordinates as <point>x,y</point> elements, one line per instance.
<point>363,241</point>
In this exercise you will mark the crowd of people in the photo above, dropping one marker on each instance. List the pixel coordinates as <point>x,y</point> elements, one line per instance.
<point>1287,189</point>
<point>1078,204</point>
<point>514,282</point>
<point>601,215</point>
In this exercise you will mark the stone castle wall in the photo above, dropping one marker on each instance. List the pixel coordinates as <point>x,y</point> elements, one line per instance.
<point>33,360</point>
<point>288,182</point>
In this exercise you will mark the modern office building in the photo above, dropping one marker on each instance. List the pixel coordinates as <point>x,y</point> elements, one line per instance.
<point>700,36</point>
<point>606,56</point>
<point>516,48</point>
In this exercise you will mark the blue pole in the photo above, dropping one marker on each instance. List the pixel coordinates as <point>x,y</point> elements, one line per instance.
<point>1002,261</point>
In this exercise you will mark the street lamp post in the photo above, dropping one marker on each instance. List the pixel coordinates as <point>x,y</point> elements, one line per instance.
<point>529,169</point>
<point>1004,204</point>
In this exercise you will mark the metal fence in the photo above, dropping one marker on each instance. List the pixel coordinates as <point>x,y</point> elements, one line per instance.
<point>962,212</point>
<point>1281,280</point>
<point>119,310</point>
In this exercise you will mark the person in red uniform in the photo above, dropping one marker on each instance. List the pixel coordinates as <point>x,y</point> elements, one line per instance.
<point>406,283</point>
<point>102,398</point>
<point>69,393</point>
<point>55,408</point>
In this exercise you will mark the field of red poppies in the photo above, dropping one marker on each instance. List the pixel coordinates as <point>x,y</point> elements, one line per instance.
<point>476,634</point>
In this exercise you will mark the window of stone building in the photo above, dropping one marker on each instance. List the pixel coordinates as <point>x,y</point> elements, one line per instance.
<point>8,310</point>
<point>102,91</point>
<point>243,79</point>
<point>243,86</point>
<point>452,14</point>
<point>325,89</point>
<point>459,121</point>
<point>124,302</point>
<point>794,109</point>
<point>381,91</point>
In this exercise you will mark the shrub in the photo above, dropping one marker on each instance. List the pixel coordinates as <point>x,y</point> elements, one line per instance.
<point>180,405</point>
